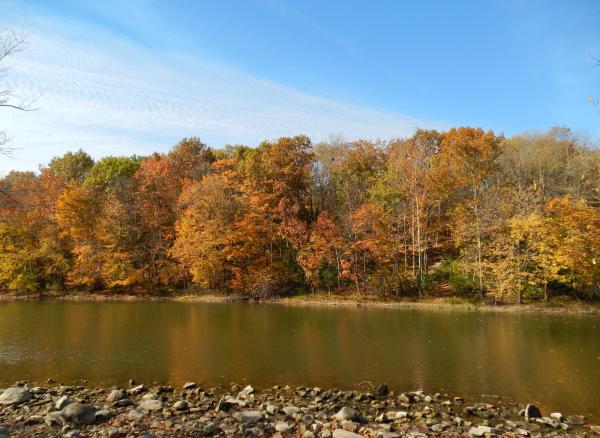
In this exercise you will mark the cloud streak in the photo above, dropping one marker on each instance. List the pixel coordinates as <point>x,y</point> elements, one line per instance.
<point>110,96</point>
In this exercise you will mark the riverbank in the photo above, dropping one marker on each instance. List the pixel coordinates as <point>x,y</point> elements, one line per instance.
<point>79,411</point>
<point>560,305</point>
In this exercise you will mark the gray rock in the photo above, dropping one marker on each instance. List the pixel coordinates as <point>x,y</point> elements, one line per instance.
<point>62,402</point>
<point>209,429</point>
<point>291,410</point>
<point>72,434</point>
<point>189,385</point>
<point>532,411</point>
<point>54,419</point>
<point>382,390</point>
<point>78,413</point>
<point>480,430</point>
<point>34,419</point>
<point>556,416</point>
<point>437,428</point>
<point>111,432</point>
<point>116,394</point>
<point>123,403</point>
<point>246,391</point>
<point>4,432</point>
<point>151,405</point>
<point>102,414</point>
<point>248,417</point>
<point>341,433</point>
<point>576,420</point>
<point>137,389</point>
<point>282,426</point>
<point>136,413</point>
<point>181,405</point>
<point>388,435</point>
<point>345,413</point>
<point>15,395</point>
<point>271,409</point>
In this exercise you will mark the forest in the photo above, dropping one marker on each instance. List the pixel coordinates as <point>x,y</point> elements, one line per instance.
<point>465,212</point>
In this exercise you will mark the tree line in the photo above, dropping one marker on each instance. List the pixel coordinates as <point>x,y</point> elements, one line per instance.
<point>463,212</point>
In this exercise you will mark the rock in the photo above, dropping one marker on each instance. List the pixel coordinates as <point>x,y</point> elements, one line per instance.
<point>248,417</point>
<point>388,435</point>
<point>223,405</point>
<point>181,405</point>
<point>37,390</point>
<point>532,411</point>
<point>437,428</point>
<point>123,403</point>
<point>54,419</point>
<point>137,389</point>
<point>308,434</point>
<point>72,434</point>
<point>246,391</point>
<point>345,413</point>
<point>15,395</point>
<point>136,413</point>
<point>382,390</point>
<point>576,420</point>
<point>151,405</point>
<point>595,429</point>
<point>189,385</point>
<point>78,413</point>
<point>480,430</point>
<point>282,427</point>
<point>272,409</point>
<point>341,433</point>
<point>291,410</point>
<point>428,399</point>
<point>62,402</point>
<point>34,419</point>
<point>111,432</point>
<point>102,414</point>
<point>556,416</point>
<point>116,394</point>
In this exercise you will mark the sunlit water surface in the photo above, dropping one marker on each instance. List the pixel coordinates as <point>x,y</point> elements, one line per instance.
<point>553,360</point>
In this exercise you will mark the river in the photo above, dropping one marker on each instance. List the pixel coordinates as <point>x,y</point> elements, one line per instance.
<point>552,360</point>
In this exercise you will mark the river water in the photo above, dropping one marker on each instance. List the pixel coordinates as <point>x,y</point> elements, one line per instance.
<point>552,360</point>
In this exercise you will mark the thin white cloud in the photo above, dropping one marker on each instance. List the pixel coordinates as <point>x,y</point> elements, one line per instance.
<point>109,96</point>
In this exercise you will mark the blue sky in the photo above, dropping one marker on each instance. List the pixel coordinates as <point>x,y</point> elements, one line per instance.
<point>122,77</point>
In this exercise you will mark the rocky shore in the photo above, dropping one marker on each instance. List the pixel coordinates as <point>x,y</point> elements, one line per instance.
<point>194,411</point>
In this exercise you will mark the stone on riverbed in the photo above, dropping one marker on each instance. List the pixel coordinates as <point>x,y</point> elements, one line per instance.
<point>248,417</point>
<point>345,413</point>
<point>532,411</point>
<point>4,432</point>
<point>282,426</point>
<point>291,410</point>
<point>151,404</point>
<point>116,394</point>
<point>62,402</point>
<point>181,405</point>
<point>341,433</point>
<point>15,395</point>
<point>576,420</point>
<point>136,413</point>
<point>78,413</point>
<point>480,430</point>
<point>382,390</point>
<point>189,385</point>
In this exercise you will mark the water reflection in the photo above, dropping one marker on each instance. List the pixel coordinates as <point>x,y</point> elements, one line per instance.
<point>554,360</point>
